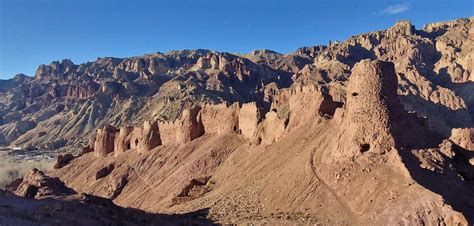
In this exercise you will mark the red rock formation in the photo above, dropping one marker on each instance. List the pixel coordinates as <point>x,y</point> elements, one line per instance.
<point>150,137</point>
<point>104,142</point>
<point>271,129</point>
<point>37,185</point>
<point>372,104</point>
<point>122,140</point>
<point>220,119</point>
<point>86,150</point>
<point>78,92</point>
<point>184,129</point>
<point>135,137</point>
<point>63,160</point>
<point>374,119</point>
<point>249,117</point>
<point>89,147</point>
<point>308,101</point>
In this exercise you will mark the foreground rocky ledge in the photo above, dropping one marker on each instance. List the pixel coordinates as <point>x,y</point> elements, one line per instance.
<point>39,199</point>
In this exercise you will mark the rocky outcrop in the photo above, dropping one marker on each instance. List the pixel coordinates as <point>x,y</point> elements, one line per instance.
<point>249,118</point>
<point>136,137</point>
<point>63,160</point>
<point>455,48</point>
<point>187,128</point>
<point>403,27</point>
<point>35,184</point>
<point>220,119</point>
<point>372,107</point>
<point>307,102</point>
<point>104,141</point>
<point>150,137</point>
<point>271,129</point>
<point>373,119</point>
<point>122,140</point>
<point>54,69</point>
<point>463,137</point>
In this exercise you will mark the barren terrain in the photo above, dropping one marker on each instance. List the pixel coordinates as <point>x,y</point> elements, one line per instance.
<point>377,129</point>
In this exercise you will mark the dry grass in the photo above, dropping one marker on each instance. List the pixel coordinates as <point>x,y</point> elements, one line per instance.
<point>12,169</point>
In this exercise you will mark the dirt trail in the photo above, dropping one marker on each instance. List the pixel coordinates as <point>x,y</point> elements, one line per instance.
<point>322,143</point>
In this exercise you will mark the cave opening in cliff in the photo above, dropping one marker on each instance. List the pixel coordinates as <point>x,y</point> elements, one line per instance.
<point>364,148</point>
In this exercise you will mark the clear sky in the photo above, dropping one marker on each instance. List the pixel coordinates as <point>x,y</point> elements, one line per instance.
<point>34,32</point>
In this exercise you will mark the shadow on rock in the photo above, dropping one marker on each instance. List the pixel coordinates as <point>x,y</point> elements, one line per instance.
<point>453,179</point>
<point>86,210</point>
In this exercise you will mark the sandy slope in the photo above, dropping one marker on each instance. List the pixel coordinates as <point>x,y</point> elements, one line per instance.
<point>288,181</point>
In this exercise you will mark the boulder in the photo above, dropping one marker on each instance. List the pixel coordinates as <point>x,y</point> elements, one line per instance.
<point>63,160</point>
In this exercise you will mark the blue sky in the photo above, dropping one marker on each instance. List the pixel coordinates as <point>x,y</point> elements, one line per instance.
<point>34,32</point>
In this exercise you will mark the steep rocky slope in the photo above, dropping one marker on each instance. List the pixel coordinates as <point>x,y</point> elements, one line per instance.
<point>373,130</point>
